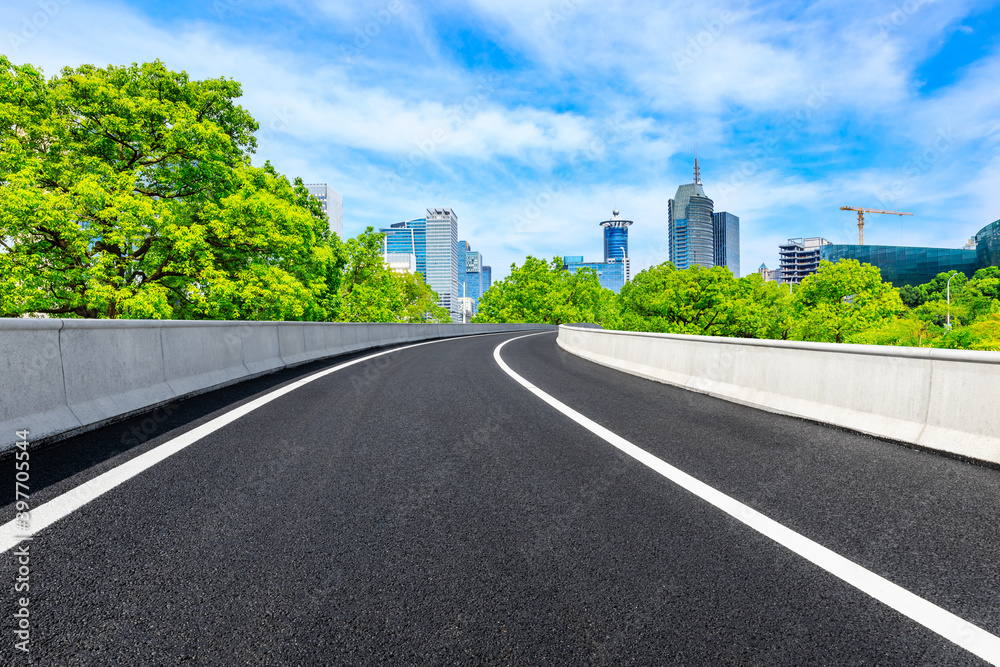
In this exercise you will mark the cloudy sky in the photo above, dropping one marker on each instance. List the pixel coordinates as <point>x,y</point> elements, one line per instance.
<point>533,119</point>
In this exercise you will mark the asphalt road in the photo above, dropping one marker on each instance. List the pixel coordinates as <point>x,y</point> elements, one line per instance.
<point>424,508</point>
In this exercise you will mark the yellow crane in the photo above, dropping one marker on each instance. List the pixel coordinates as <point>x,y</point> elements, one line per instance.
<point>861,218</point>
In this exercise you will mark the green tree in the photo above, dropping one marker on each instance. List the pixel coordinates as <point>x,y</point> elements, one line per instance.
<point>370,292</point>
<point>545,293</point>
<point>841,300</point>
<point>420,302</point>
<point>690,301</point>
<point>128,192</point>
<point>911,296</point>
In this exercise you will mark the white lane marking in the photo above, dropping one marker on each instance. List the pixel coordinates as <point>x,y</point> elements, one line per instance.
<point>953,628</point>
<point>43,516</point>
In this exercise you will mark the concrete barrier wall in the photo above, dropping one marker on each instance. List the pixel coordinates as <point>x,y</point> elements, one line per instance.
<point>941,399</point>
<point>65,376</point>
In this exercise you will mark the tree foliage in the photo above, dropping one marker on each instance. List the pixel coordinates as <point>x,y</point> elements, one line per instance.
<point>370,292</point>
<point>544,293</point>
<point>128,192</point>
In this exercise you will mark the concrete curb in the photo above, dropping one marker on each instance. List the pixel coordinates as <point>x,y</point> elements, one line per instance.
<point>68,376</point>
<point>944,400</point>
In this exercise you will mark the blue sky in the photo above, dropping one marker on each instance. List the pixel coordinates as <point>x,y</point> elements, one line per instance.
<point>533,119</point>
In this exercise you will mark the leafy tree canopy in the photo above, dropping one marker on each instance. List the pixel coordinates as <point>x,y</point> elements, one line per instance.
<point>545,293</point>
<point>841,300</point>
<point>128,192</point>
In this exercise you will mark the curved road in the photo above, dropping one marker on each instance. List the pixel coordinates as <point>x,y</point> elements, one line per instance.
<point>424,507</point>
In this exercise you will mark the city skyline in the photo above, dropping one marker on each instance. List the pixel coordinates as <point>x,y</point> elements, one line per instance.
<point>529,118</point>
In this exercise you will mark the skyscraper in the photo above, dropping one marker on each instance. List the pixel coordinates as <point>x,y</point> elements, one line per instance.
<point>434,242</point>
<point>470,264</point>
<point>727,241</point>
<point>333,205</point>
<point>615,270</point>
<point>409,237</point>
<point>616,242</point>
<point>442,258</point>
<point>691,225</point>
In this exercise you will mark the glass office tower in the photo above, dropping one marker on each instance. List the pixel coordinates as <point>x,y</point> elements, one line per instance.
<point>442,258</point>
<point>616,243</point>
<point>988,245</point>
<point>726,229</point>
<point>902,265</point>
<point>408,237</point>
<point>691,227</point>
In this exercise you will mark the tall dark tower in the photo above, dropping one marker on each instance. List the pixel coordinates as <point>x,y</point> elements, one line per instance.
<point>691,226</point>
<point>616,241</point>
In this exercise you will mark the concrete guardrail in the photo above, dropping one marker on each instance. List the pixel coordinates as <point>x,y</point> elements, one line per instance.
<point>64,376</point>
<point>945,400</point>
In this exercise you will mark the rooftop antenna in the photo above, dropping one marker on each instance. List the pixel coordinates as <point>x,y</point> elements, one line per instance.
<point>697,171</point>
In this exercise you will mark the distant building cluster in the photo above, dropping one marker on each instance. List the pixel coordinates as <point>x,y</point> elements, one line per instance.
<point>430,246</point>
<point>899,265</point>
<point>616,269</point>
<point>699,235</point>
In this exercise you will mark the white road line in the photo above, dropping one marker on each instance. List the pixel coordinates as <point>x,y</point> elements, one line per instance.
<point>953,628</point>
<point>43,516</point>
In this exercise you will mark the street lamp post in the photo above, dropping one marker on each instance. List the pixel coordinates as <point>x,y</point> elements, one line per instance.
<point>947,323</point>
<point>463,303</point>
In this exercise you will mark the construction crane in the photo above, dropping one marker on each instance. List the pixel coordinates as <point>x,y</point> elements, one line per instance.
<point>861,218</point>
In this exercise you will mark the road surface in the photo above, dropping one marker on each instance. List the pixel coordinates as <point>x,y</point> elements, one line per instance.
<point>424,507</point>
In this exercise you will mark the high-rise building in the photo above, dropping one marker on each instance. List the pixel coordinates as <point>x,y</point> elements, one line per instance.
<point>487,278</point>
<point>433,240</point>
<point>615,270</point>
<point>616,242</point>
<point>408,238</point>
<point>470,276</point>
<point>691,225</point>
<point>333,205</point>
<point>726,230</point>
<point>442,258</point>
<point>988,245</point>
<point>800,258</point>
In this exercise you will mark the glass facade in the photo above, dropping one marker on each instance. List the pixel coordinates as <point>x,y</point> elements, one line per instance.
<point>442,258</point>
<point>902,265</point>
<point>470,277</point>
<point>612,275</point>
<point>988,245</point>
<point>434,242</point>
<point>727,241</point>
<point>691,227</point>
<point>616,241</point>
<point>409,237</point>
<point>487,277</point>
